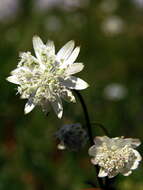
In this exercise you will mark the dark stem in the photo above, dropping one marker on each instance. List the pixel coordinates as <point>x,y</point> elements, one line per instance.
<point>102,127</point>
<point>89,130</point>
<point>86,115</point>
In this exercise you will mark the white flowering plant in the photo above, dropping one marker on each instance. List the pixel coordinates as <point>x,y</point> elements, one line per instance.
<point>47,78</point>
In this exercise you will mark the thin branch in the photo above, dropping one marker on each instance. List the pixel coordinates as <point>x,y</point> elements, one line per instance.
<point>102,127</point>
<point>86,115</point>
<point>89,130</point>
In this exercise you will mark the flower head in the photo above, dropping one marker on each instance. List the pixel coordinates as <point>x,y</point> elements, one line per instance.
<point>72,137</point>
<point>115,155</point>
<point>47,77</point>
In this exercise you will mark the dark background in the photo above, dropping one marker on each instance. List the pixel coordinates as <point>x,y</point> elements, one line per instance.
<point>110,33</point>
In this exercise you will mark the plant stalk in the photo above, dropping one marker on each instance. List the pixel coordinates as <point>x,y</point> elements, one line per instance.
<point>89,130</point>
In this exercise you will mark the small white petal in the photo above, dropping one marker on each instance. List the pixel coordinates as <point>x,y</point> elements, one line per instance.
<point>138,159</point>
<point>127,173</point>
<point>135,165</point>
<point>28,107</point>
<point>74,83</point>
<point>68,96</point>
<point>61,146</point>
<point>74,68</point>
<point>93,161</point>
<point>113,174</point>
<point>37,42</point>
<point>15,71</point>
<point>37,45</point>
<point>102,173</point>
<point>133,142</point>
<point>20,69</point>
<point>65,51</point>
<point>51,46</point>
<point>73,56</point>
<point>57,106</point>
<point>99,140</point>
<point>92,151</point>
<point>13,79</point>
<point>24,96</point>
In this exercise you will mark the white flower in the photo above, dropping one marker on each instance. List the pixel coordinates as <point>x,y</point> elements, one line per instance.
<point>115,155</point>
<point>48,76</point>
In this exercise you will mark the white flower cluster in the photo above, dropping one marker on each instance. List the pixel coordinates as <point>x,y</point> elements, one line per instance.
<point>115,155</point>
<point>47,77</point>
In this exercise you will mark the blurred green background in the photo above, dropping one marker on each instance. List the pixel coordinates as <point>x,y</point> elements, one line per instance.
<point>110,33</point>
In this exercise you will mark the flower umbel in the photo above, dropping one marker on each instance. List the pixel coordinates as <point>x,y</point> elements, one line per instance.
<point>47,77</point>
<point>115,155</point>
